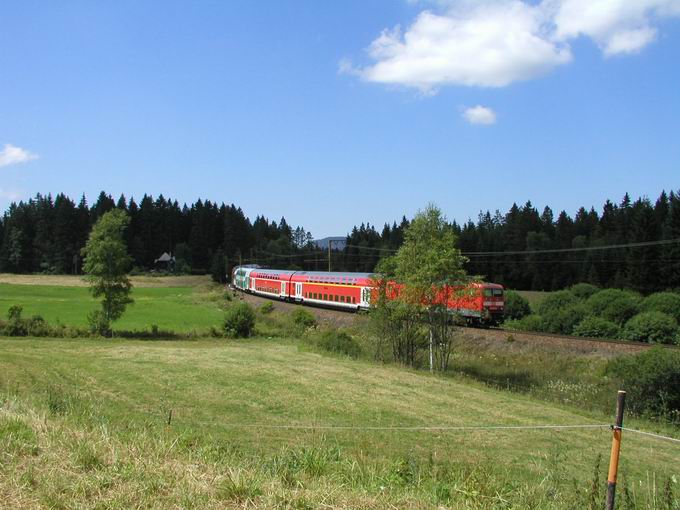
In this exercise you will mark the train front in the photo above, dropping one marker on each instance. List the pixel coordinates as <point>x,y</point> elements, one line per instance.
<point>493,303</point>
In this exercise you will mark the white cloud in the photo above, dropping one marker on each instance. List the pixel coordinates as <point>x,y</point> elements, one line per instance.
<point>618,26</point>
<point>492,43</point>
<point>487,44</point>
<point>480,115</point>
<point>9,195</point>
<point>12,155</point>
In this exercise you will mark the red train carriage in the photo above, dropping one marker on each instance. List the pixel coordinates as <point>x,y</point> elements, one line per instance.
<point>480,303</point>
<point>349,291</point>
<point>270,282</point>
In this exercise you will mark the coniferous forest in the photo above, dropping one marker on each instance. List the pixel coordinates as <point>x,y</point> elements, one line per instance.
<point>522,249</point>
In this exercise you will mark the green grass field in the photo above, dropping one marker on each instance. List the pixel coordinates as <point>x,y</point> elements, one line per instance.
<point>533,296</point>
<point>83,424</point>
<point>180,309</point>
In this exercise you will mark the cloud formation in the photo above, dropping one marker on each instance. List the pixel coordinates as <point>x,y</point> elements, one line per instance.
<point>9,195</point>
<point>480,115</point>
<point>617,26</point>
<point>11,155</point>
<point>492,43</point>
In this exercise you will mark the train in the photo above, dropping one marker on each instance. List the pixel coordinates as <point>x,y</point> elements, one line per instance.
<point>478,303</point>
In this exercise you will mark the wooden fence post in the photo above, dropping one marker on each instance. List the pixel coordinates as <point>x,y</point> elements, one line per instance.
<point>616,448</point>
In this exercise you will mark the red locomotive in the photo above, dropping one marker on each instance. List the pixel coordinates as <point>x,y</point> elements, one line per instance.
<point>478,303</point>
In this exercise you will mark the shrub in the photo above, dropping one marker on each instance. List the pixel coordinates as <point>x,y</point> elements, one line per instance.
<point>267,308</point>
<point>14,313</point>
<point>15,325</point>
<point>239,320</point>
<point>563,320</point>
<point>596,327</point>
<point>614,305</point>
<point>516,306</point>
<point>583,290</point>
<point>339,342</point>
<point>556,301</point>
<point>303,318</point>
<point>651,379</point>
<point>665,302</point>
<point>652,327</point>
<point>37,326</point>
<point>528,323</point>
<point>98,323</point>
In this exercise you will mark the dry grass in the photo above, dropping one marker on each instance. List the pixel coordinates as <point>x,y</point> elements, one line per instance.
<point>83,425</point>
<point>78,281</point>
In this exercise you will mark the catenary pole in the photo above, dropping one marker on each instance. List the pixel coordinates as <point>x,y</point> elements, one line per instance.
<point>329,254</point>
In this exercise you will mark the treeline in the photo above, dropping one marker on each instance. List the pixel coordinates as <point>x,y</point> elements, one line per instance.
<point>517,249</point>
<point>46,234</point>
<point>523,229</point>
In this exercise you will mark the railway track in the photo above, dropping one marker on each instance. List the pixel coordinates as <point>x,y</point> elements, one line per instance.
<point>572,338</point>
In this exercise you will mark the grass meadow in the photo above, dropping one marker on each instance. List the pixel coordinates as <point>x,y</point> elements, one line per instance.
<point>533,296</point>
<point>181,309</point>
<point>124,423</point>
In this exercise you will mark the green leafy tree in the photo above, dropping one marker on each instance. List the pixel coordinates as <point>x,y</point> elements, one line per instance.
<point>429,266</point>
<point>106,265</point>
<point>652,327</point>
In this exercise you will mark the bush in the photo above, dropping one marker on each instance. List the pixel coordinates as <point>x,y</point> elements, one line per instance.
<point>556,301</point>
<point>516,306</point>
<point>15,325</point>
<point>267,308</point>
<point>239,320</point>
<point>37,326</point>
<point>563,320</point>
<point>339,342</point>
<point>303,318</point>
<point>583,290</point>
<point>596,327</point>
<point>528,323</point>
<point>614,305</point>
<point>652,327</point>
<point>651,379</point>
<point>98,323</point>
<point>664,302</point>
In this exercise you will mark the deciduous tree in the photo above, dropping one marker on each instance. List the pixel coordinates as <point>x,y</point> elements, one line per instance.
<point>106,265</point>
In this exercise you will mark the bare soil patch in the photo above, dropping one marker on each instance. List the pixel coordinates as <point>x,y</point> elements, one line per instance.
<point>79,281</point>
<point>518,341</point>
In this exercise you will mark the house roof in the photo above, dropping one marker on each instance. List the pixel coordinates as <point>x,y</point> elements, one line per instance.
<point>166,257</point>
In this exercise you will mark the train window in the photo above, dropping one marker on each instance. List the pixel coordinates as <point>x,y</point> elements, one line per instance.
<point>488,292</point>
<point>342,299</point>
<point>335,298</point>
<point>497,292</point>
<point>325,297</point>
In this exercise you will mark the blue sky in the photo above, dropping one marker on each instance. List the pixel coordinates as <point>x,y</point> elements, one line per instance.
<point>341,116</point>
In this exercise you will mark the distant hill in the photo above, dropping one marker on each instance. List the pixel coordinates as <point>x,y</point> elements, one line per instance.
<point>338,243</point>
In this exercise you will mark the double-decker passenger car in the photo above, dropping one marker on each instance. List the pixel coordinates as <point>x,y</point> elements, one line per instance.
<point>480,303</point>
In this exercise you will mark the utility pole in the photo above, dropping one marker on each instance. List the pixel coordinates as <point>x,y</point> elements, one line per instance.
<point>330,241</point>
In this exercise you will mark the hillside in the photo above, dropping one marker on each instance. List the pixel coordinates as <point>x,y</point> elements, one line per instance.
<point>84,423</point>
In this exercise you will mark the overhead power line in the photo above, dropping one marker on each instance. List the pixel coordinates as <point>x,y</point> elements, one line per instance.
<point>567,250</point>
<point>533,252</point>
<point>265,255</point>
